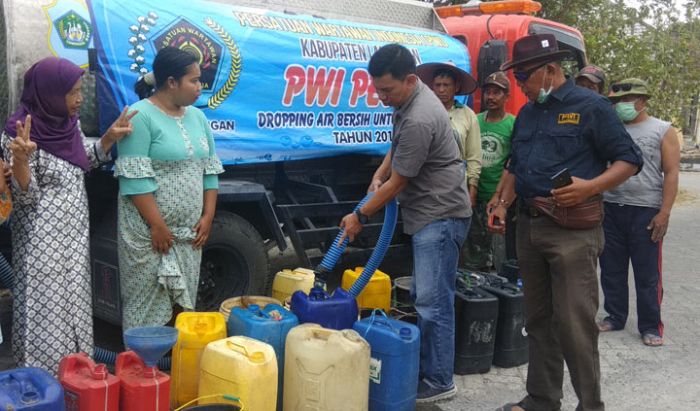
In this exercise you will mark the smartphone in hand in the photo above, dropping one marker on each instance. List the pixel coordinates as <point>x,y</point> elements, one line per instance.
<point>494,221</point>
<point>561,179</point>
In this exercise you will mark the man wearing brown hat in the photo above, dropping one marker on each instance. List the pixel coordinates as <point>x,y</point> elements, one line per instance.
<point>636,216</point>
<point>592,78</point>
<point>447,81</point>
<point>564,137</point>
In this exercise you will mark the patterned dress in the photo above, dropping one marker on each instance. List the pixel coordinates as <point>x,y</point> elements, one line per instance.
<point>50,254</point>
<point>173,158</point>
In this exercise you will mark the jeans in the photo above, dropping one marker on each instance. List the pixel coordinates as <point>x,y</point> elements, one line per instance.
<point>435,255</point>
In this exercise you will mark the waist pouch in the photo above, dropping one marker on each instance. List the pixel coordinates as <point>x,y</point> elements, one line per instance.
<point>588,214</point>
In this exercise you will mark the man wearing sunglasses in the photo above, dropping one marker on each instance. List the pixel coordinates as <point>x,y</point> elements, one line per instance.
<point>570,132</point>
<point>637,214</point>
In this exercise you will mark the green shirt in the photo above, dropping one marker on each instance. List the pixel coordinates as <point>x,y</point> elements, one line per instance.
<point>495,149</point>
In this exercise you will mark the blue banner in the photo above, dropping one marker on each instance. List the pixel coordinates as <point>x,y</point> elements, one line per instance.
<point>276,87</point>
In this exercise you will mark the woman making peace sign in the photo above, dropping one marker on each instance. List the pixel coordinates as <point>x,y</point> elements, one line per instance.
<point>50,235</point>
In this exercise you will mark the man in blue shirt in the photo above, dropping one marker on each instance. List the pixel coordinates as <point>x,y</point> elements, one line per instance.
<point>563,127</point>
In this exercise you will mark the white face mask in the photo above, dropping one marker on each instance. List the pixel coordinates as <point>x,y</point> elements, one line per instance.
<point>543,96</point>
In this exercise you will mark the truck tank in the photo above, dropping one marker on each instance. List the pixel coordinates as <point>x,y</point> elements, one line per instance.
<point>282,183</point>
<point>28,30</point>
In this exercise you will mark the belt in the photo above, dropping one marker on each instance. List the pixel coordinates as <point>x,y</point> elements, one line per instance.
<point>528,209</point>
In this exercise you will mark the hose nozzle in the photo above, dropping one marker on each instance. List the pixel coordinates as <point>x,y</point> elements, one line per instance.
<point>321,278</point>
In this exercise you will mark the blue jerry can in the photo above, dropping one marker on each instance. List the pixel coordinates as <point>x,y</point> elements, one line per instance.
<point>338,311</point>
<point>271,325</point>
<point>394,364</point>
<point>24,389</point>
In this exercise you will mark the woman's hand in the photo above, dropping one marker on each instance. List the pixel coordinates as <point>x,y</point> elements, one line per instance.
<point>161,238</point>
<point>202,229</point>
<point>22,146</point>
<point>121,127</point>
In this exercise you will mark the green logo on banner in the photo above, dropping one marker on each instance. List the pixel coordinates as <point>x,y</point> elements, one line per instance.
<point>74,31</point>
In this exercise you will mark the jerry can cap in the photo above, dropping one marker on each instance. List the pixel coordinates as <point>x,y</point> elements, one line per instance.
<point>254,308</point>
<point>200,326</point>
<point>405,333</point>
<point>99,372</point>
<point>30,396</point>
<point>257,357</point>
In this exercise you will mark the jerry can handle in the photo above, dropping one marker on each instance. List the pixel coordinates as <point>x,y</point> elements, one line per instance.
<point>81,359</point>
<point>321,333</point>
<point>255,356</point>
<point>464,280</point>
<point>224,396</point>
<point>382,321</point>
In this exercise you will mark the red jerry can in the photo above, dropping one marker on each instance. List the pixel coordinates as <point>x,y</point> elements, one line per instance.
<point>143,388</point>
<point>87,386</point>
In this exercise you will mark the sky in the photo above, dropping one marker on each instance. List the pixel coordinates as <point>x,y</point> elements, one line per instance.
<point>678,3</point>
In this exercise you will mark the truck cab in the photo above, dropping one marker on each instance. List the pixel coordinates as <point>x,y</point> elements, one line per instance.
<point>489,31</point>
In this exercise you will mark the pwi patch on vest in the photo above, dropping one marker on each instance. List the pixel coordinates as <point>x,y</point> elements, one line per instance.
<point>569,118</point>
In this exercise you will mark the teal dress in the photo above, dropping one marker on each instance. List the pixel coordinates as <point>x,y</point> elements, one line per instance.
<point>174,159</point>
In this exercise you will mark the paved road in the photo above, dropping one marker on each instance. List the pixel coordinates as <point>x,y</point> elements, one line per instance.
<point>634,377</point>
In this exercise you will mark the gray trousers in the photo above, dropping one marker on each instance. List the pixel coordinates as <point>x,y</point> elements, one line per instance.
<point>560,280</point>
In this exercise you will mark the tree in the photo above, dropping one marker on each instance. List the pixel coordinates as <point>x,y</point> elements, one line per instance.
<point>658,41</point>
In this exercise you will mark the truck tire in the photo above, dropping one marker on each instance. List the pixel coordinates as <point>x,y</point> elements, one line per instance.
<point>234,262</point>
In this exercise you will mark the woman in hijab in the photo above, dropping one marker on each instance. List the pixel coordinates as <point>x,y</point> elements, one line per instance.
<point>49,156</point>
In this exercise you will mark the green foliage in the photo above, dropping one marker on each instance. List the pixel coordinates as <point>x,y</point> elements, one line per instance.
<point>659,41</point>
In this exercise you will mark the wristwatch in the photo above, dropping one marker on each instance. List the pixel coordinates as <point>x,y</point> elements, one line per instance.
<point>362,217</point>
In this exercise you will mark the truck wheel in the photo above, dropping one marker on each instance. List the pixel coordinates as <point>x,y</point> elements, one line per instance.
<point>234,262</point>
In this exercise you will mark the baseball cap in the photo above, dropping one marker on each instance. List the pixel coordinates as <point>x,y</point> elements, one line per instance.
<point>593,73</point>
<point>498,79</point>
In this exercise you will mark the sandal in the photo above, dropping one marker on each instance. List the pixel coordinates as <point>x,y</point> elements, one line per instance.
<point>605,326</point>
<point>652,340</point>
